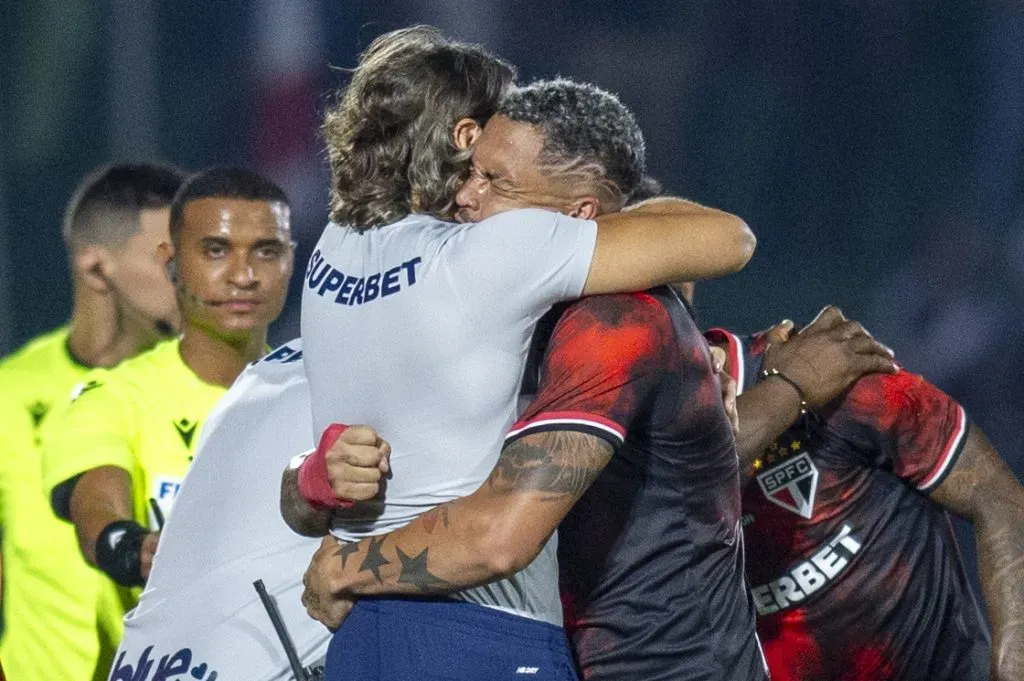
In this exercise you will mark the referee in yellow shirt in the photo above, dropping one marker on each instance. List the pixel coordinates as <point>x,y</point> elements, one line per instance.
<point>54,627</point>
<point>129,433</point>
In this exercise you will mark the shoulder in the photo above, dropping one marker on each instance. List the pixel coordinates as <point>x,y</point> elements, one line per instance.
<point>282,363</point>
<point>520,216</point>
<point>129,379</point>
<point>621,309</point>
<point>881,394</point>
<point>41,372</point>
<point>515,224</point>
<point>615,327</point>
<point>280,372</point>
<point>14,410</point>
<point>158,361</point>
<point>289,353</point>
<point>106,381</point>
<point>881,401</point>
<point>34,356</point>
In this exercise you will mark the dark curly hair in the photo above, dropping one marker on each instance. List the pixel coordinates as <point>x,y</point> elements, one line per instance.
<point>589,135</point>
<point>389,134</point>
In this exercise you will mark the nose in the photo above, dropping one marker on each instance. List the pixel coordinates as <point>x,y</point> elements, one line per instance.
<point>468,196</point>
<point>242,274</point>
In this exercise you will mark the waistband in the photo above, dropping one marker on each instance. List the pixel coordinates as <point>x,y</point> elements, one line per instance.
<point>433,610</point>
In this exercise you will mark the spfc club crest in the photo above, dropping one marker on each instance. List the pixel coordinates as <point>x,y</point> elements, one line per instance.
<point>791,484</point>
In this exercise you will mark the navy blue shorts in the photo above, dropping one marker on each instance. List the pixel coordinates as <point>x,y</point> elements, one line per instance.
<point>435,640</point>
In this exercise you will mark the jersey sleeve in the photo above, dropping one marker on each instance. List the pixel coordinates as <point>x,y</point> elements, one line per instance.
<point>510,268</point>
<point>603,367</point>
<point>97,428</point>
<point>743,355</point>
<point>917,430</point>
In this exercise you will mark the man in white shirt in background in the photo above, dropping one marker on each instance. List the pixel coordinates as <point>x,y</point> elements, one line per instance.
<point>200,613</point>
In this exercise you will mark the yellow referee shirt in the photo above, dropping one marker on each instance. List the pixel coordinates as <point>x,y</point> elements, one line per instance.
<point>54,625</point>
<point>143,416</point>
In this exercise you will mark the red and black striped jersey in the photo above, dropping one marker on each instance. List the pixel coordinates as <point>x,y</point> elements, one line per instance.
<point>651,556</point>
<point>855,573</point>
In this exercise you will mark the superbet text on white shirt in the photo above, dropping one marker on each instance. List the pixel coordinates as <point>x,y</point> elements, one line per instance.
<point>421,329</point>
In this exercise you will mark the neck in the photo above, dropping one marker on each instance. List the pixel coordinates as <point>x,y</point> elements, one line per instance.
<point>219,361</point>
<point>100,336</point>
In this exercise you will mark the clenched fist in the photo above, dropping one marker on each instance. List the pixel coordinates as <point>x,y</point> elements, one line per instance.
<point>357,463</point>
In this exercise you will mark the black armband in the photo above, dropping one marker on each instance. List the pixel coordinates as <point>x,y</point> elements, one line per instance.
<point>119,552</point>
<point>60,497</point>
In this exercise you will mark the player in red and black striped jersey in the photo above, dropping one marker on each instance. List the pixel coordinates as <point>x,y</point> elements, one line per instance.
<point>651,556</point>
<point>852,563</point>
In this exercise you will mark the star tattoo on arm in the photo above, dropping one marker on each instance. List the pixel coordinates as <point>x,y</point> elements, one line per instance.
<point>374,559</point>
<point>415,572</point>
<point>346,550</point>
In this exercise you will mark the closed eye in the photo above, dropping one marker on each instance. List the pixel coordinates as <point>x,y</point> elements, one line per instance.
<point>270,251</point>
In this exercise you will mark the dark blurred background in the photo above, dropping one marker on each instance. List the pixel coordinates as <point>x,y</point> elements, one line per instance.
<point>876,148</point>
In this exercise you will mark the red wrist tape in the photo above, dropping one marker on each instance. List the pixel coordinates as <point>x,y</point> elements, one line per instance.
<point>314,484</point>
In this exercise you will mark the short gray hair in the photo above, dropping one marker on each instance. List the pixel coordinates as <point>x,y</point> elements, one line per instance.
<point>588,133</point>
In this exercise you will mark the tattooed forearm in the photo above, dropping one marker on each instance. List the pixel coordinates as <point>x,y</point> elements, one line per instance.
<point>296,511</point>
<point>557,462</point>
<point>345,551</point>
<point>374,559</point>
<point>1001,559</point>
<point>431,518</point>
<point>984,490</point>
<point>490,534</point>
<point>415,572</point>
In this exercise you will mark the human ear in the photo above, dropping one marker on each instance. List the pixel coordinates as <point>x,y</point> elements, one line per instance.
<point>586,208</point>
<point>92,266</point>
<point>465,133</point>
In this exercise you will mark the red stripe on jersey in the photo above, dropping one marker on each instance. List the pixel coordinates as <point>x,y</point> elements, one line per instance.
<point>949,453</point>
<point>567,417</point>
<point>735,368</point>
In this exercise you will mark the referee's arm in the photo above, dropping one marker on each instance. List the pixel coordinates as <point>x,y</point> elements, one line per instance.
<point>86,471</point>
<point>99,504</point>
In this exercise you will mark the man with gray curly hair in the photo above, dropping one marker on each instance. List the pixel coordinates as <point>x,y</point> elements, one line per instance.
<point>627,402</point>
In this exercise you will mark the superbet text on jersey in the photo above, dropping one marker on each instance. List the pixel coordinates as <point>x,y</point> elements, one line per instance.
<point>855,573</point>
<point>455,306</point>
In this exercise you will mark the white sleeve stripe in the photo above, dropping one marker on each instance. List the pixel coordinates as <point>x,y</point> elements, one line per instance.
<point>948,456</point>
<point>548,423</point>
<point>741,364</point>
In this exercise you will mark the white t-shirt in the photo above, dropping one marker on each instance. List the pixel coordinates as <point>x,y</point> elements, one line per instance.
<point>199,610</point>
<point>421,328</point>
